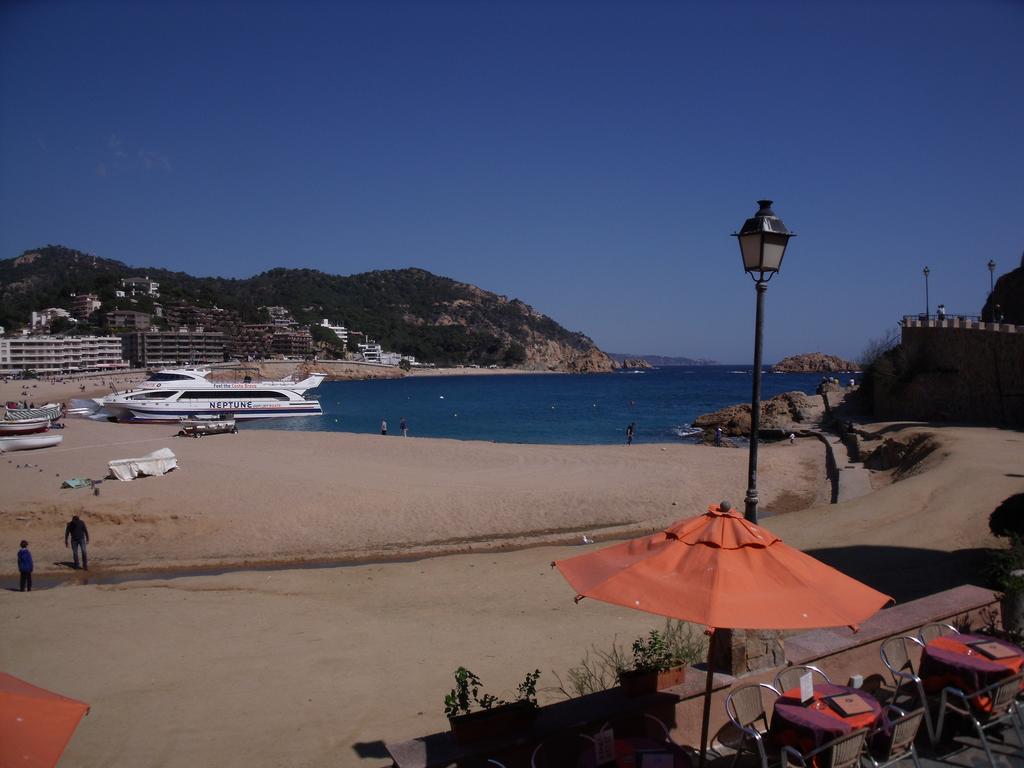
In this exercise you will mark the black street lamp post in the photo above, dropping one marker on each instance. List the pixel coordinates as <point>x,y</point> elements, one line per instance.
<point>927,305</point>
<point>991,275</point>
<point>763,240</point>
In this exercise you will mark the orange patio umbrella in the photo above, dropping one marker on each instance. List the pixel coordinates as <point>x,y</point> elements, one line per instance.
<point>722,571</point>
<point>35,724</point>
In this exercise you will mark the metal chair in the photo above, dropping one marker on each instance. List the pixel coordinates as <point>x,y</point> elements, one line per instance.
<point>901,729</point>
<point>895,653</point>
<point>929,632</point>
<point>841,752</point>
<point>746,710</point>
<point>1003,698</point>
<point>584,736</point>
<point>662,730</point>
<point>790,677</point>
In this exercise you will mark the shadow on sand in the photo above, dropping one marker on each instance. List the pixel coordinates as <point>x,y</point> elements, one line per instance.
<point>370,749</point>
<point>907,573</point>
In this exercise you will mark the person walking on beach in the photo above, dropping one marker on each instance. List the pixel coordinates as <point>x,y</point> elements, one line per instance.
<point>718,437</point>
<point>792,437</point>
<point>79,535</point>
<point>403,425</point>
<point>630,431</point>
<point>383,427</point>
<point>25,567</point>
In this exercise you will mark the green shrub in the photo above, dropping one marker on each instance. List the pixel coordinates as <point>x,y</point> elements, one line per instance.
<point>1006,564</point>
<point>1008,518</point>
<point>465,696</point>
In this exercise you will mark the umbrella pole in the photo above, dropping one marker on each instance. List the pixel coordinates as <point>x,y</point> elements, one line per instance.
<point>707,701</point>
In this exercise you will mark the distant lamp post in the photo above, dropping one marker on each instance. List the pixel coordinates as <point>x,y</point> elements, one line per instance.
<point>991,275</point>
<point>927,305</point>
<point>763,240</point>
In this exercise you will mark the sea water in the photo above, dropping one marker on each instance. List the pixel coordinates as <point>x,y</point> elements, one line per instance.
<point>569,409</point>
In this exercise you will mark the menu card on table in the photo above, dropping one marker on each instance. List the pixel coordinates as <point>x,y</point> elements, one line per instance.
<point>849,704</point>
<point>994,650</point>
<point>604,747</point>
<point>806,688</point>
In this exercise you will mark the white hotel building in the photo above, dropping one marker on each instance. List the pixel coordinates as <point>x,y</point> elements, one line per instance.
<point>60,354</point>
<point>339,330</point>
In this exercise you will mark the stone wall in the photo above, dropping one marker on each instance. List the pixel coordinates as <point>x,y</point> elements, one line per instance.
<point>956,370</point>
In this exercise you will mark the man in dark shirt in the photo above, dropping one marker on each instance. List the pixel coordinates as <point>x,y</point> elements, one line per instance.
<point>79,536</point>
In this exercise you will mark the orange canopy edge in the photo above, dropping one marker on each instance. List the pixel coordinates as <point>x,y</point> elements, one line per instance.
<point>35,724</point>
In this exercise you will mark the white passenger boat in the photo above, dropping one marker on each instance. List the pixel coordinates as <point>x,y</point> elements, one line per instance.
<point>29,442</point>
<point>169,395</point>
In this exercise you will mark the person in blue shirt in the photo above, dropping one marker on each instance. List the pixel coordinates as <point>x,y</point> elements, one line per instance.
<point>25,566</point>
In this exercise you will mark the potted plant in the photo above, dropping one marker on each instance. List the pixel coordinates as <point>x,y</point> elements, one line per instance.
<point>655,666</point>
<point>476,717</point>
<point>1006,569</point>
<point>1008,573</point>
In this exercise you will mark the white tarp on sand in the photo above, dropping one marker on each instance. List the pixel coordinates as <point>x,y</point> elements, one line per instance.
<point>156,463</point>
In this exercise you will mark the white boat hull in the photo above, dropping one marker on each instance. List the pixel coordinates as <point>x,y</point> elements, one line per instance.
<point>29,442</point>
<point>23,426</point>
<point>238,410</point>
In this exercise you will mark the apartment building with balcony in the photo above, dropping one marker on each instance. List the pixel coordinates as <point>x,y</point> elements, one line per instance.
<point>48,355</point>
<point>253,341</point>
<point>212,318</point>
<point>339,330</point>
<point>371,352</point>
<point>83,305</point>
<point>129,320</point>
<point>162,349</point>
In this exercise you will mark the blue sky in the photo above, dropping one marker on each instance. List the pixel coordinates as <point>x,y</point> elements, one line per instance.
<point>589,158</point>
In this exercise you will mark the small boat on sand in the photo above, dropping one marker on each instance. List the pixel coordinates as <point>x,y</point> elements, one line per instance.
<point>52,411</point>
<point>199,426</point>
<point>23,426</point>
<point>29,442</point>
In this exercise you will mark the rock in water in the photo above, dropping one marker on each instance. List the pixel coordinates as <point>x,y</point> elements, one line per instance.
<point>780,411</point>
<point>814,362</point>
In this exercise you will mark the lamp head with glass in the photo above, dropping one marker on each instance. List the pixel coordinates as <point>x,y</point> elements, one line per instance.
<point>763,240</point>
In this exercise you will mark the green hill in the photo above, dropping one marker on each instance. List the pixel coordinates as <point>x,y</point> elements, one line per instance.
<point>411,311</point>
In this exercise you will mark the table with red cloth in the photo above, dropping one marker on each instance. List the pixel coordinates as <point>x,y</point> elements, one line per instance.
<point>628,752</point>
<point>807,727</point>
<point>952,660</point>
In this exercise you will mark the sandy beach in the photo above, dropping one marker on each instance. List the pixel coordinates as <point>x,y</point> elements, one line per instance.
<point>317,666</point>
<point>267,496</point>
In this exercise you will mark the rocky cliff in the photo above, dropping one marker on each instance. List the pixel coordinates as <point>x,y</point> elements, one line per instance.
<point>778,413</point>
<point>1006,302</point>
<point>814,362</point>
